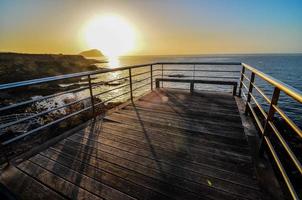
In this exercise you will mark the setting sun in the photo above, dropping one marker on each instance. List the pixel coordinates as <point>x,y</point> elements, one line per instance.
<point>112,34</point>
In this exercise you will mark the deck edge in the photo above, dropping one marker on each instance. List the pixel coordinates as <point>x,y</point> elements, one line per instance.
<point>266,177</point>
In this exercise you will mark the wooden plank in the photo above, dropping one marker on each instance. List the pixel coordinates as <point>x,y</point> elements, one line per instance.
<point>79,179</point>
<point>132,151</point>
<point>107,173</point>
<point>198,136</point>
<point>25,187</point>
<point>174,139</point>
<point>162,173</point>
<point>186,110</point>
<point>195,107</point>
<point>184,147</point>
<point>136,110</point>
<point>153,162</point>
<point>200,129</point>
<point>164,184</point>
<point>141,115</point>
<point>57,183</point>
<point>195,143</point>
<point>179,101</point>
<point>163,95</point>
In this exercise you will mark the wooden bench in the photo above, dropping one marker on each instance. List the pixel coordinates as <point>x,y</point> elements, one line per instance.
<point>192,82</point>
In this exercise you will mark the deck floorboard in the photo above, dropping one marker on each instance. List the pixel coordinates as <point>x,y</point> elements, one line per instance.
<point>169,144</point>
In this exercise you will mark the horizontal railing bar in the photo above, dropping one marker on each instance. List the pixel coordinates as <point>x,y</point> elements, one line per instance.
<point>134,81</point>
<point>246,77</point>
<point>286,147</point>
<point>217,77</point>
<point>102,83</point>
<point>244,96</point>
<point>41,113</point>
<point>262,93</point>
<point>245,87</point>
<point>197,63</point>
<point>259,106</point>
<point>141,86</point>
<point>147,72</point>
<point>288,121</point>
<point>111,90</point>
<point>223,77</point>
<point>42,127</point>
<point>198,70</point>
<point>41,99</point>
<point>294,93</point>
<point>111,98</point>
<point>281,168</point>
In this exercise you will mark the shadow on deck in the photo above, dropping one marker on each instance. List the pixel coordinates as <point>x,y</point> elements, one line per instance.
<point>168,144</point>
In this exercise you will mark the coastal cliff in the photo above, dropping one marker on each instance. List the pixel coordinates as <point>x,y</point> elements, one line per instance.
<point>19,67</point>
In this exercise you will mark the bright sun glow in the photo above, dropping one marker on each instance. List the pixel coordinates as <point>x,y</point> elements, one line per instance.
<point>113,35</point>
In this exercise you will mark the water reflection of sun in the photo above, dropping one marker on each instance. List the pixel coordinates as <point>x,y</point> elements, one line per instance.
<point>113,62</point>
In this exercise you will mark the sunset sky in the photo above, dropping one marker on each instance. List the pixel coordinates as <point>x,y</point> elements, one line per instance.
<point>157,27</point>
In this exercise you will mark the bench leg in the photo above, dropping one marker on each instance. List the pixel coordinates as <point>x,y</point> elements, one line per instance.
<point>234,90</point>
<point>191,87</point>
<point>157,83</point>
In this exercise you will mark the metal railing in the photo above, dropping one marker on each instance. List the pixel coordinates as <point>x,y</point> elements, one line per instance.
<point>268,125</point>
<point>138,79</point>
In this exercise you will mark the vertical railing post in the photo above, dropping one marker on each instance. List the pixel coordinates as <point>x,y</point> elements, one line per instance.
<point>162,75</point>
<point>241,79</point>
<point>249,94</point>
<point>269,118</point>
<point>130,80</point>
<point>151,76</point>
<point>91,96</point>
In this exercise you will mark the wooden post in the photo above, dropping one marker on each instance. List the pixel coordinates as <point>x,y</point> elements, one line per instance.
<point>241,79</point>
<point>252,79</point>
<point>269,118</point>
<point>91,96</point>
<point>130,80</point>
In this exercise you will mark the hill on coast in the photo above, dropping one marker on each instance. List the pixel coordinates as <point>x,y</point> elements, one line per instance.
<point>92,53</point>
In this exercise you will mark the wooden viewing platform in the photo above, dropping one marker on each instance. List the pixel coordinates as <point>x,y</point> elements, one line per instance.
<point>169,144</point>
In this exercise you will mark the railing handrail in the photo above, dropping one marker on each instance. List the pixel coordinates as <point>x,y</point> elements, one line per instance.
<point>289,90</point>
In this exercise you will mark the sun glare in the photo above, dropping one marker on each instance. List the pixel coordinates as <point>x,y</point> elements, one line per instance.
<point>111,34</point>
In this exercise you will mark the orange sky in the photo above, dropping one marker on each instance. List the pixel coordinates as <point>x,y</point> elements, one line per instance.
<point>163,27</point>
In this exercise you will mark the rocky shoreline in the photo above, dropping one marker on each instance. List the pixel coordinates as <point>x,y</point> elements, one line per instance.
<point>16,67</point>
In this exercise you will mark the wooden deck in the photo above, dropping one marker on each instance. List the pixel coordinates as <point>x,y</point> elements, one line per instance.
<point>167,145</point>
